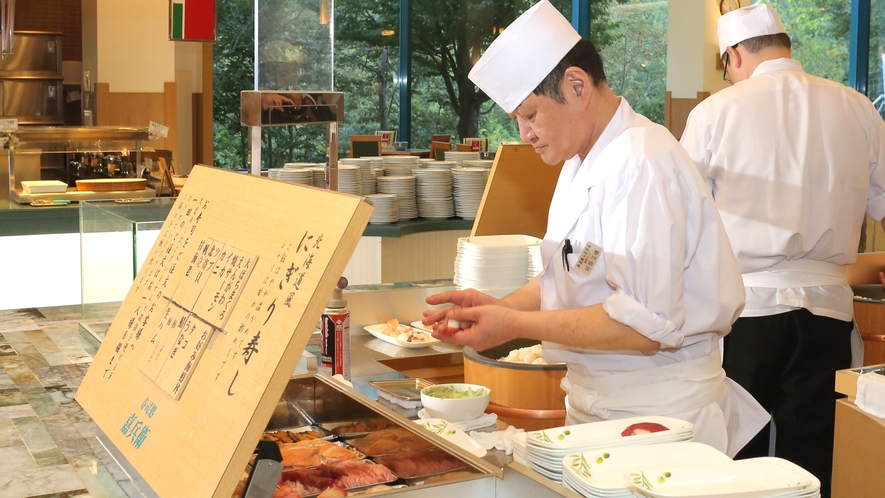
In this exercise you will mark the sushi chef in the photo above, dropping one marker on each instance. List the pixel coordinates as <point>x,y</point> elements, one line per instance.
<point>639,281</point>
<point>793,162</point>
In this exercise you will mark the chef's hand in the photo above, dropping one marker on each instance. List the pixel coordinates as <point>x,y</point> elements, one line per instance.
<point>463,298</point>
<point>481,327</point>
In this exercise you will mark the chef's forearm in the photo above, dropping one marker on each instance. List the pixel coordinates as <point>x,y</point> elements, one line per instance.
<point>526,298</point>
<point>588,328</point>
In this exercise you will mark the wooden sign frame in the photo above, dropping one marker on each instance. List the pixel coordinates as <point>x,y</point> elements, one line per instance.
<point>214,324</point>
<point>518,194</point>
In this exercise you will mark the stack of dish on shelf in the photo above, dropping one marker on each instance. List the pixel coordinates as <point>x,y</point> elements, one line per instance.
<point>404,187</point>
<point>494,264</point>
<point>434,193</point>
<point>468,187</point>
<point>546,450</point>
<point>292,175</point>
<point>386,208</point>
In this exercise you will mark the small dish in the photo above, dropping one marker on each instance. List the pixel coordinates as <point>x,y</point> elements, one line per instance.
<point>378,331</point>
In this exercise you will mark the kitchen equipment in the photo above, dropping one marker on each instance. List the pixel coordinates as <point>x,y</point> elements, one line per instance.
<point>538,407</point>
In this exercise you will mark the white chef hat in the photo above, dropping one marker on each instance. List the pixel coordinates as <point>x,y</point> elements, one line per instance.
<point>748,22</point>
<point>518,60</point>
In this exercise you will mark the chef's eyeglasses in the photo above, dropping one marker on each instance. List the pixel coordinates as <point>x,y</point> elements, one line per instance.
<point>725,77</point>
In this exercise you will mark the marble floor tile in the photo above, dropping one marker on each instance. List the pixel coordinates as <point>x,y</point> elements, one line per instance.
<point>61,394</point>
<point>99,482</point>
<point>40,481</point>
<point>17,370</point>
<point>17,320</point>
<point>59,313</point>
<point>39,399</point>
<point>15,458</point>
<point>5,348</point>
<point>5,381</point>
<point>9,434</point>
<point>14,412</point>
<point>51,376</point>
<point>34,434</point>
<point>88,343</point>
<point>66,436</point>
<point>29,354</point>
<point>79,419</point>
<point>12,397</point>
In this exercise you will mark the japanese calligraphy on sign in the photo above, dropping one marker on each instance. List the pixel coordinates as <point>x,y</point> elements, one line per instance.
<point>214,323</point>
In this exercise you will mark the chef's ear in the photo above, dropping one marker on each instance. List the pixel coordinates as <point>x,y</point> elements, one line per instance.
<point>576,80</point>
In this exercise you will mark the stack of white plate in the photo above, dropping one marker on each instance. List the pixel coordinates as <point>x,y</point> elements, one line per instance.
<point>302,176</point>
<point>425,160</point>
<point>547,449</point>
<point>535,263</point>
<point>400,165</point>
<point>367,172</point>
<point>754,477</point>
<point>479,163</point>
<point>600,473</point>
<point>439,164</point>
<point>468,187</point>
<point>434,193</point>
<point>377,161</point>
<point>319,176</point>
<point>404,188</point>
<point>386,208</point>
<point>460,157</point>
<point>494,264</point>
<point>299,165</point>
<point>520,454</point>
<point>349,179</point>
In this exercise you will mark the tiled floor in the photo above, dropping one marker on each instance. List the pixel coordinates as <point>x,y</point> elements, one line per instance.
<point>47,442</point>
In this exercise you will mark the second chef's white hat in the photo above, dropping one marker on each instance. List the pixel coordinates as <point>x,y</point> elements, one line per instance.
<point>518,60</point>
<point>748,22</point>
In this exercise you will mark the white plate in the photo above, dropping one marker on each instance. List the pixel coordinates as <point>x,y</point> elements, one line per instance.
<point>741,479</point>
<point>596,432</point>
<point>602,472</point>
<point>377,331</point>
<point>453,434</point>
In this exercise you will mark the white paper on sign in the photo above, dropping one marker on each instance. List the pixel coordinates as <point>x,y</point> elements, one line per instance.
<point>9,124</point>
<point>156,130</point>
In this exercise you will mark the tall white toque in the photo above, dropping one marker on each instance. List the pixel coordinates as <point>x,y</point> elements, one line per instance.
<point>518,60</point>
<point>745,23</point>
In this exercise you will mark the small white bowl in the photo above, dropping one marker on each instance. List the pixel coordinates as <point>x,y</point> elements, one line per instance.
<point>456,410</point>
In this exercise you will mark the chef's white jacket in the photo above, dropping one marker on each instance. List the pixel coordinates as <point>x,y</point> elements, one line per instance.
<point>666,268</point>
<point>793,162</point>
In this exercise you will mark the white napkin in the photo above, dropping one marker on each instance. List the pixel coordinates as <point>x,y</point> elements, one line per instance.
<point>484,420</point>
<point>500,440</point>
<point>871,394</point>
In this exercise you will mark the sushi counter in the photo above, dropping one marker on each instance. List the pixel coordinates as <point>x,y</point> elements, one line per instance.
<point>338,435</point>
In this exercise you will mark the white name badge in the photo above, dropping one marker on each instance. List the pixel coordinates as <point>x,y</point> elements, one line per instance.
<point>156,130</point>
<point>10,124</point>
<point>588,258</point>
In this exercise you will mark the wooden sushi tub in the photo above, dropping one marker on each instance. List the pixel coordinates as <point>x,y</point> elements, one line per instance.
<point>525,396</point>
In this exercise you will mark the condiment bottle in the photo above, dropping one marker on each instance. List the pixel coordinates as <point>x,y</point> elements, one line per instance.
<point>335,330</point>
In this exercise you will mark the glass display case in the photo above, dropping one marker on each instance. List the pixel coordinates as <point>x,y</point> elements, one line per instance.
<point>68,154</point>
<point>115,238</point>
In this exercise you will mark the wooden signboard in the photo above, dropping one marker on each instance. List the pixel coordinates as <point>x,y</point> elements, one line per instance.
<point>517,196</point>
<point>213,326</point>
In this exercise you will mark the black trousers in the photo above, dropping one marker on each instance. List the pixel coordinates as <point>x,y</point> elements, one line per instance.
<point>788,362</point>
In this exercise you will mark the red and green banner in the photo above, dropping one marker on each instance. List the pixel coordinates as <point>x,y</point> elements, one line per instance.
<point>192,20</point>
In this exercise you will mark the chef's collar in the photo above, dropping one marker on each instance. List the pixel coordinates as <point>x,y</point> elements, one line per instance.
<point>781,64</point>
